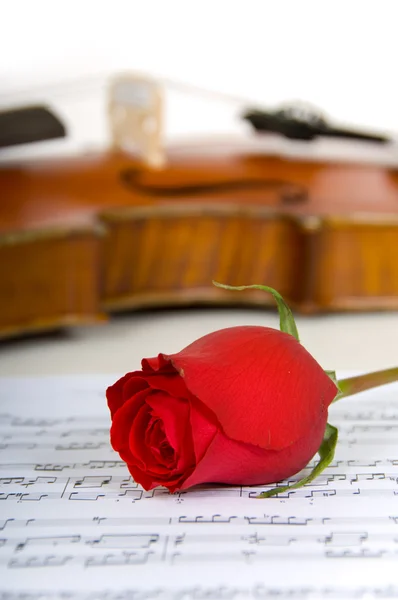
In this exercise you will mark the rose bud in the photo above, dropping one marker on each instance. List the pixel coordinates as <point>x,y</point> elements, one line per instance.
<point>243,405</point>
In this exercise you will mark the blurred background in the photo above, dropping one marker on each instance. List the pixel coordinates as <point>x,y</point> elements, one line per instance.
<point>108,216</point>
<point>339,56</point>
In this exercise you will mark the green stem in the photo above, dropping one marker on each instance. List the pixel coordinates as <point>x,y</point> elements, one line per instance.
<point>360,383</point>
<point>286,319</point>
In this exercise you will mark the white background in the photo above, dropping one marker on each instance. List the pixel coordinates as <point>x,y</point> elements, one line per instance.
<point>339,55</point>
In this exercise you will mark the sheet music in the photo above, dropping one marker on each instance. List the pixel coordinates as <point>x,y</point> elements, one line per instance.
<point>73,523</point>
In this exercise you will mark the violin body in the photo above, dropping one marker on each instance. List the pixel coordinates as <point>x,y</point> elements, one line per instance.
<point>84,237</point>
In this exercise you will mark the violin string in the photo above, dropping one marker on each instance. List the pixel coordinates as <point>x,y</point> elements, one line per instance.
<point>78,85</point>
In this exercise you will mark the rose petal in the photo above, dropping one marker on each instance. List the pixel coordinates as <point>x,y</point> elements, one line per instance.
<point>141,477</point>
<point>157,363</point>
<point>156,441</point>
<point>140,454</point>
<point>136,383</point>
<point>236,463</point>
<point>263,386</point>
<point>172,384</point>
<point>122,423</point>
<point>149,482</point>
<point>204,427</point>
<point>114,394</point>
<point>174,414</point>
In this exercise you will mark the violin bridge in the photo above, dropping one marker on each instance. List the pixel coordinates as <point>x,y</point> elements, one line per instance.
<point>136,117</point>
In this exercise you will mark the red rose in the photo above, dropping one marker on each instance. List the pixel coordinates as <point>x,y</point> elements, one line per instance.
<point>244,405</point>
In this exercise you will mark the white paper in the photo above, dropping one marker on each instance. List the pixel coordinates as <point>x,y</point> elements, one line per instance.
<point>73,523</point>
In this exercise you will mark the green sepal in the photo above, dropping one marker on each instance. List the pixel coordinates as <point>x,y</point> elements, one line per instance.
<point>333,377</point>
<point>287,322</point>
<point>326,455</point>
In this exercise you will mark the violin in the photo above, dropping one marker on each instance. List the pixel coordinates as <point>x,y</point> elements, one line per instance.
<point>84,237</point>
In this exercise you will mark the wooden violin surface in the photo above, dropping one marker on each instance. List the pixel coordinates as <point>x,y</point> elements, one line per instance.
<point>81,237</point>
